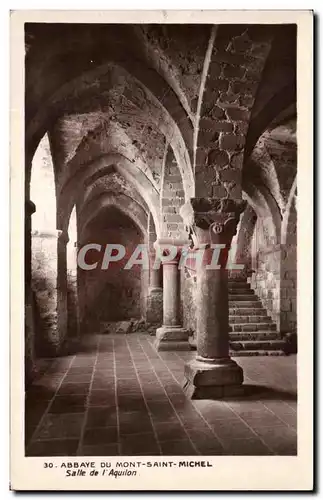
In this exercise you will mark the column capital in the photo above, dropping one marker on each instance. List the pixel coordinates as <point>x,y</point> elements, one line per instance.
<point>212,220</point>
<point>180,242</point>
<point>165,244</point>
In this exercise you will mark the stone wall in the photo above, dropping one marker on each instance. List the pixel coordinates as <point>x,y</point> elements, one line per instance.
<point>288,289</point>
<point>154,307</point>
<point>114,293</point>
<point>236,62</point>
<point>266,280</point>
<point>289,273</point>
<point>172,198</point>
<point>274,277</point>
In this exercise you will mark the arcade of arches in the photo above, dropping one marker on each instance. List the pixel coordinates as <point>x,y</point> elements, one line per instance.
<point>155,134</point>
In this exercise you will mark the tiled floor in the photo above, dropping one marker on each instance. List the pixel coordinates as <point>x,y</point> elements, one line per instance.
<point>118,396</point>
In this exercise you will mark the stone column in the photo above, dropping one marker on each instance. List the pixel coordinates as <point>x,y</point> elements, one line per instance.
<point>62,242</point>
<point>171,335</point>
<point>30,208</point>
<point>72,293</point>
<point>30,366</point>
<point>48,283</point>
<point>212,374</point>
<point>154,312</point>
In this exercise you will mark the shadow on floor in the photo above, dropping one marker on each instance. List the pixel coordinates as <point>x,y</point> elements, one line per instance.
<point>262,392</point>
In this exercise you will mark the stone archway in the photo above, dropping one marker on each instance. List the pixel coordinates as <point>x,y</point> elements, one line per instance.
<point>115,293</point>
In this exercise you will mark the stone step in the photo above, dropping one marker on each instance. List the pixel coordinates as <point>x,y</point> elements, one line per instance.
<point>241,291</point>
<point>254,336</point>
<point>238,284</point>
<point>252,345</point>
<point>245,303</point>
<point>247,311</point>
<point>252,327</point>
<point>237,280</point>
<point>247,296</point>
<point>258,352</point>
<point>254,318</point>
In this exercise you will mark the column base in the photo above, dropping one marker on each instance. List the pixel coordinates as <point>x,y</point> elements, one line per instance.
<point>213,379</point>
<point>171,338</point>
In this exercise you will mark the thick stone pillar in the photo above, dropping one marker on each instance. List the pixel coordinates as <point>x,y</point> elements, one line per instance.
<point>171,335</point>
<point>49,285</point>
<point>154,311</point>
<point>212,374</point>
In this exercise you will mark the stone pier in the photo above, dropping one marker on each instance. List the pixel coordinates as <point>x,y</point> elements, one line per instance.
<point>154,311</point>
<point>212,374</point>
<point>171,335</point>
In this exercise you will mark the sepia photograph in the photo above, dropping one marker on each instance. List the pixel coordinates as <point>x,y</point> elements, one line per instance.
<point>160,244</point>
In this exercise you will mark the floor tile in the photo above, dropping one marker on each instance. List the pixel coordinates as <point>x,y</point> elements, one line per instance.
<point>100,450</point>
<point>139,444</point>
<point>180,447</point>
<point>252,446</point>
<point>166,432</point>
<point>101,398</point>
<point>68,404</point>
<point>73,389</point>
<point>134,423</point>
<point>99,435</point>
<point>60,426</point>
<point>149,410</point>
<point>282,440</point>
<point>58,448</point>
<point>101,417</point>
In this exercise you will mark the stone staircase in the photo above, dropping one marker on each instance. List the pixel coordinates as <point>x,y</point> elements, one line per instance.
<point>252,331</point>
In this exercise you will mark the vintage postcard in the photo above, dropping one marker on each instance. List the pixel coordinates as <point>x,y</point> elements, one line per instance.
<point>161,250</point>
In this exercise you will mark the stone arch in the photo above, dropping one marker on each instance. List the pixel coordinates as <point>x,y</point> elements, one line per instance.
<point>125,204</point>
<point>276,95</point>
<point>265,248</point>
<point>261,168</point>
<point>114,293</point>
<point>159,111</point>
<point>43,187</point>
<point>289,213</point>
<point>265,207</point>
<point>281,104</point>
<point>127,169</point>
<point>152,235</point>
<point>48,245</point>
<point>73,325</point>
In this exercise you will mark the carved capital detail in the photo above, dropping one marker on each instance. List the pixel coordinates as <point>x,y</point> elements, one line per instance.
<point>212,220</point>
